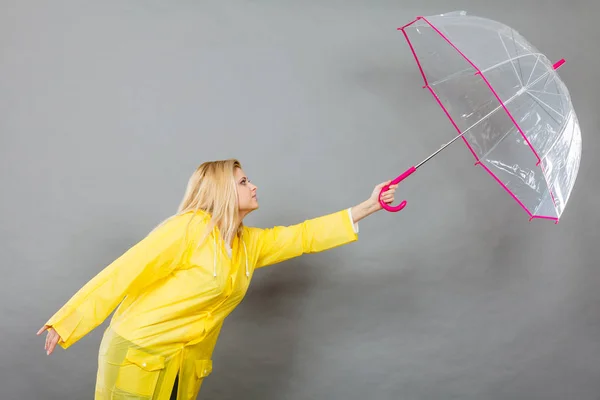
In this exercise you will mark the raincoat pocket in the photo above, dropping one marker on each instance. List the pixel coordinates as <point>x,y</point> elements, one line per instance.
<point>203,368</point>
<point>139,372</point>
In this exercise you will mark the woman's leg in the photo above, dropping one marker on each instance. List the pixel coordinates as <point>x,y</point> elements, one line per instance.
<point>118,378</point>
<point>174,391</point>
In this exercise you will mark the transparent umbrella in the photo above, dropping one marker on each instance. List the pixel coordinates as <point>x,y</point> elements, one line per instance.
<point>507,103</point>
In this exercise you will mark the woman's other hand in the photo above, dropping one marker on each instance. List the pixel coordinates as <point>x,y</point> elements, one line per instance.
<point>52,338</point>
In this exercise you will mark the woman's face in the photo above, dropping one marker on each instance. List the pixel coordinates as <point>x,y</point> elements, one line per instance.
<point>247,199</point>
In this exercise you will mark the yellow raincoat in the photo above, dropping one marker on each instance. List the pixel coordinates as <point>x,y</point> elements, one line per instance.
<point>174,298</point>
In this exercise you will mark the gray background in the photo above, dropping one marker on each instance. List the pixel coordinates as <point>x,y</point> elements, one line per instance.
<point>108,106</point>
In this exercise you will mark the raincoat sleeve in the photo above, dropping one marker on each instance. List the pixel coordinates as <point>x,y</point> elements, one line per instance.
<point>281,243</point>
<point>146,262</point>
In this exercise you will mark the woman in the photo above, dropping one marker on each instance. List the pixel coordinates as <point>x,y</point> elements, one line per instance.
<point>177,285</point>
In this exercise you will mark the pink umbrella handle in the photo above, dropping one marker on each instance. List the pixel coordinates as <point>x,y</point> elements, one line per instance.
<point>399,179</point>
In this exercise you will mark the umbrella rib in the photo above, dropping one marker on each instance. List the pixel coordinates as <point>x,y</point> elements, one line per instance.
<point>558,138</point>
<point>509,100</point>
<point>512,33</point>
<point>508,132</point>
<point>547,182</point>
<point>511,130</point>
<point>538,100</point>
<point>467,130</point>
<point>451,76</point>
<point>490,113</point>
<point>509,57</point>
<point>509,60</point>
<point>544,92</point>
<point>570,147</point>
<point>544,198</point>
<point>537,59</point>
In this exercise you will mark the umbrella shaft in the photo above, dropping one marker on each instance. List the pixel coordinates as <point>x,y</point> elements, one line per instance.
<point>521,91</point>
<point>442,148</point>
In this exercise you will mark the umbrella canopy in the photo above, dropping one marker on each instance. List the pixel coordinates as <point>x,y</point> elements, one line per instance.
<point>507,103</point>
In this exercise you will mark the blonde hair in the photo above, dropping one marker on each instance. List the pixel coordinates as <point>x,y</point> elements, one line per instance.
<point>212,189</point>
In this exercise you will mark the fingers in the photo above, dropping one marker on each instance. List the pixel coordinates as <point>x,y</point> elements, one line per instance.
<point>52,338</point>
<point>42,329</point>
<point>51,341</point>
<point>382,184</point>
<point>47,344</point>
<point>387,199</point>
<point>390,190</point>
<point>48,341</point>
<point>388,196</point>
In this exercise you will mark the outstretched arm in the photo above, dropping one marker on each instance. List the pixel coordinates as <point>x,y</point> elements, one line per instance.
<point>151,259</point>
<point>281,243</point>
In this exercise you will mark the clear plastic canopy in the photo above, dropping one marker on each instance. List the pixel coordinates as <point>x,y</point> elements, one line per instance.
<point>507,98</point>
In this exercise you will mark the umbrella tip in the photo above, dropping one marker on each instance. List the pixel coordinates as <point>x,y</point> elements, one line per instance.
<point>559,63</point>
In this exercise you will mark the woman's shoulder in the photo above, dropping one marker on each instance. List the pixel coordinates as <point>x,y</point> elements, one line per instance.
<point>188,222</point>
<point>253,233</point>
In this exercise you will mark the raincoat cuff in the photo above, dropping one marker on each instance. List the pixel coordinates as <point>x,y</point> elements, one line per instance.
<point>65,327</point>
<point>354,224</point>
